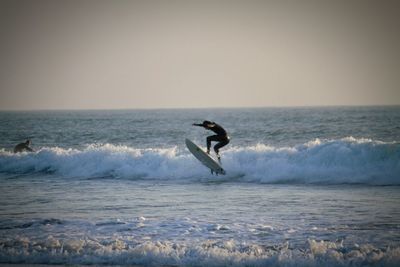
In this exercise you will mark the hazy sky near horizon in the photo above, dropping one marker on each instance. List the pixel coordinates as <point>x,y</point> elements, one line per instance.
<point>182,54</point>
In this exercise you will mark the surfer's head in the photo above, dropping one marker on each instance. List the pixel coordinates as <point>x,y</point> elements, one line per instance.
<point>27,142</point>
<point>205,123</point>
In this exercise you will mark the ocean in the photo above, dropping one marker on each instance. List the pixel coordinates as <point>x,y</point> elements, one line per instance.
<point>316,186</point>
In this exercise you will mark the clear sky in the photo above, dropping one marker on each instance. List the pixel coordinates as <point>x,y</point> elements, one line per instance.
<point>181,54</point>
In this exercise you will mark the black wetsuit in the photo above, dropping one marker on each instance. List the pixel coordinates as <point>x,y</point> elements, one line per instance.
<point>221,136</point>
<point>22,147</point>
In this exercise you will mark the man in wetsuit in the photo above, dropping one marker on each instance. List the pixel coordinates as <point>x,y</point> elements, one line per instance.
<point>23,147</point>
<point>221,136</point>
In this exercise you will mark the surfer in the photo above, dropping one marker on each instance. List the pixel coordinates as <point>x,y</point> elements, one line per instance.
<point>221,136</point>
<point>23,147</point>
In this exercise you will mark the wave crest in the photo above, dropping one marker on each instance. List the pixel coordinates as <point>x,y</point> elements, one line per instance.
<point>207,253</point>
<point>347,160</point>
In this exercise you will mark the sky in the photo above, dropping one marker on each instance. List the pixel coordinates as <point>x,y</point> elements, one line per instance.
<point>91,54</point>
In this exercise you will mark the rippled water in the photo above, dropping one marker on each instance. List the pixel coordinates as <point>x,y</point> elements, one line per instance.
<point>305,187</point>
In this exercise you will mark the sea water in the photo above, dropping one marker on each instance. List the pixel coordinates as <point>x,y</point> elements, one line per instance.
<point>304,187</point>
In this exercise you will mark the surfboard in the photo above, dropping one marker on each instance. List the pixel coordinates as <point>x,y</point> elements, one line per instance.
<point>204,158</point>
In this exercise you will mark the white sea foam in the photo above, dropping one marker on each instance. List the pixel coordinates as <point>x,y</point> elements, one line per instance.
<point>52,250</point>
<point>347,160</point>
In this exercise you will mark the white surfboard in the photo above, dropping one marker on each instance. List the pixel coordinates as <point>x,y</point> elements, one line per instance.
<point>204,158</point>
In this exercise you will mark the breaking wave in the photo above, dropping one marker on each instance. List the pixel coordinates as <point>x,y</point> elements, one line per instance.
<point>120,252</point>
<point>343,161</point>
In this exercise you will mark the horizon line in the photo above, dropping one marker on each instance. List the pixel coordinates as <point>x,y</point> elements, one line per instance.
<point>197,108</point>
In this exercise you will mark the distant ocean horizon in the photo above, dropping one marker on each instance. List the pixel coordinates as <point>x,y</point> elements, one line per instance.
<point>305,186</point>
<point>199,108</point>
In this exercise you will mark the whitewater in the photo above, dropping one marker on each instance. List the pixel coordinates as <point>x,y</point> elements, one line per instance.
<point>304,187</point>
<point>348,161</point>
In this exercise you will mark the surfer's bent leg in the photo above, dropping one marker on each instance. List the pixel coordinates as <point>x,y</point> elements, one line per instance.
<point>224,140</point>
<point>209,139</point>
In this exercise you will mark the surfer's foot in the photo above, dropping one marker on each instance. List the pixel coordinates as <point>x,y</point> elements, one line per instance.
<point>219,158</point>
<point>208,151</point>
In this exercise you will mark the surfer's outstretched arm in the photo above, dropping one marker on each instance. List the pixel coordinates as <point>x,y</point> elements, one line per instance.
<point>205,124</point>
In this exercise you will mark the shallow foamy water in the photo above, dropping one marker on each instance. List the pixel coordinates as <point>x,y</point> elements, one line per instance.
<point>209,222</point>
